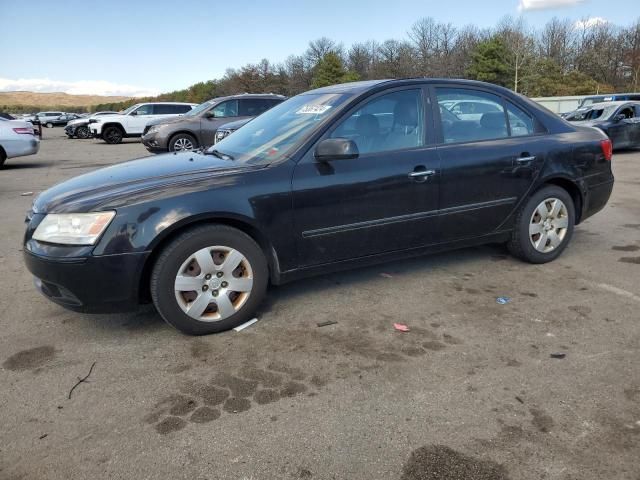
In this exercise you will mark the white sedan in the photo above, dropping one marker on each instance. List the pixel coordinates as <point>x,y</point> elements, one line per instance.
<point>17,138</point>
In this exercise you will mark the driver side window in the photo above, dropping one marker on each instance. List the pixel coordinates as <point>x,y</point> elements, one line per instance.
<point>226,109</point>
<point>389,122</point>
<point>144,110</point>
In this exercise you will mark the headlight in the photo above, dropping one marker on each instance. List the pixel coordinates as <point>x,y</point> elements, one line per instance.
<point>153,129</point>
<point>73,228</point>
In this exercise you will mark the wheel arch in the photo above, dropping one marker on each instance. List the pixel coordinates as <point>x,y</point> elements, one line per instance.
<point>183,132</point>
<point>572,188</point>
<point>239,223</point>
<point>113,124</point>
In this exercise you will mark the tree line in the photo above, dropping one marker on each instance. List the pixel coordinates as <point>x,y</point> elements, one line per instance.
<point>561,58</point>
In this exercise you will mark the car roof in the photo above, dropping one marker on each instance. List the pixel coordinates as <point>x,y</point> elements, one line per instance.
<point>617,103</point>
<point>355,88</point>
<point>275,96</point>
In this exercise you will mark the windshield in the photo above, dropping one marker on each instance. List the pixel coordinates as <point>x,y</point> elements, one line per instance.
<point>600,112</point>
<point>200,108</point>
<point>276,133</point>
<point>130,109</point>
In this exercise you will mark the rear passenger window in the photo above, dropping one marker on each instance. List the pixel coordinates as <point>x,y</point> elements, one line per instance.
<point>167,109</point>
<point>181,108</point>
<point>470,115</point>
<point>520,121</point>
<point>252,107</point>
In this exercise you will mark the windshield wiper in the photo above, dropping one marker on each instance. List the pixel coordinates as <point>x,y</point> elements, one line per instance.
<point>219,154</point>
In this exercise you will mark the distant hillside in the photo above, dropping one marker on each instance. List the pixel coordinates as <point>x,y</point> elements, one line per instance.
<point>30,101</point>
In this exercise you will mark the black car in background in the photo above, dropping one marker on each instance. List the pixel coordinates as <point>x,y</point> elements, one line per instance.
<point>619,120</point>
<point>331,179</point>
<point>80,127</point>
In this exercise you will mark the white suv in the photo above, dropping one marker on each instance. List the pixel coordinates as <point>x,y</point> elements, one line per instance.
<point>131,122</point>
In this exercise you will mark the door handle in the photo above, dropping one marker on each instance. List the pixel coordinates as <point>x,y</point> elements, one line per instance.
<point>422,173</point>
<point>526,159</point>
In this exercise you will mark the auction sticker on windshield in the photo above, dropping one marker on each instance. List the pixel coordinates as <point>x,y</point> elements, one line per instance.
<point>314,109</point>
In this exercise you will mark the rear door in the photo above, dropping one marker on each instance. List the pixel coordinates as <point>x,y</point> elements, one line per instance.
<point>386,199</point>
<point>487,164</point>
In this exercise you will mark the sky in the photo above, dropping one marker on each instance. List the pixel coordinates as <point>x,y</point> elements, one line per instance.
<point>145,47</point>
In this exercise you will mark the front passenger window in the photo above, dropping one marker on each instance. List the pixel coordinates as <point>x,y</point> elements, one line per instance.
<point>389,122</point>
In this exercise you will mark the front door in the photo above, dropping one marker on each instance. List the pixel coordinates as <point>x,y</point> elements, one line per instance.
<point>386,199</point>
<point>138,119</point>
<point>487,164</point>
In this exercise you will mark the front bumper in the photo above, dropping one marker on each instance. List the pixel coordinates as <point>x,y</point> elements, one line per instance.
<point>153,143</point>
<point>93,284</point>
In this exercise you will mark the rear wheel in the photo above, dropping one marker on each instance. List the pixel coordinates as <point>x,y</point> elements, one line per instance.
<point>49,125</point>
<point>3,157</point>
<point>83,132</point>
<point>209,279</point>
<point>544,226</point>
<point>112,135</point>
<point>182,142</point>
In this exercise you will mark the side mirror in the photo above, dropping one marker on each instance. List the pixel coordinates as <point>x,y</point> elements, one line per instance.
<point>336,149</point>
<point>135,112</point>
<point>211,114</point>
<point>619,117</point>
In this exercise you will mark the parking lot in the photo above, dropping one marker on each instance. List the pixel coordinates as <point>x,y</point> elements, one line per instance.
<point>475,390</point>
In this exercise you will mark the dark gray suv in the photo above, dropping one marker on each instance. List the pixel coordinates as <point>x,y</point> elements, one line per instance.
<point>197,128</point>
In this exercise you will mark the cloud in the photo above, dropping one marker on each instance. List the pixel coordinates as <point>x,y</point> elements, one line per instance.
<point>82,87</point>
<point>546,4</point>
<point>589,22</point>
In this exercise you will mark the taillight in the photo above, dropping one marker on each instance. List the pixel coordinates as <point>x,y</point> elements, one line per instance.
<point>607,149</point>
<point>24,130</point>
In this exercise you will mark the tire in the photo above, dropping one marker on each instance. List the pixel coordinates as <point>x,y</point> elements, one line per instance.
<point>112,135</point>
<point>182,142</point>
<point>537,238</point>
<point>49,125</point>
<point>3,157</point>
<point>83,132</point>
<point>215,243</point>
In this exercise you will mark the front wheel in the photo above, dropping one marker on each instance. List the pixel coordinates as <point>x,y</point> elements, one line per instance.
<point>209,279</point>
<point>49,125</point>
<point>112,135</point>
<point>182,142</point>
<point>83,132</point>
<point>544,226</point>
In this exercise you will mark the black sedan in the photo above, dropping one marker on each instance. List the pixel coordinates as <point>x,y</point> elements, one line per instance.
<point>619,120</point>
<point>331,179</point>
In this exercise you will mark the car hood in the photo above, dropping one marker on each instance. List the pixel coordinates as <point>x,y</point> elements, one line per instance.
<point>135,181</point>
<point>77,121</point>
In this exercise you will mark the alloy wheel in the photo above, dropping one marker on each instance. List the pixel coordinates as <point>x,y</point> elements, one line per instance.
<point>182,144</point>
<point>213,283</point>
<point>549,225</point>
